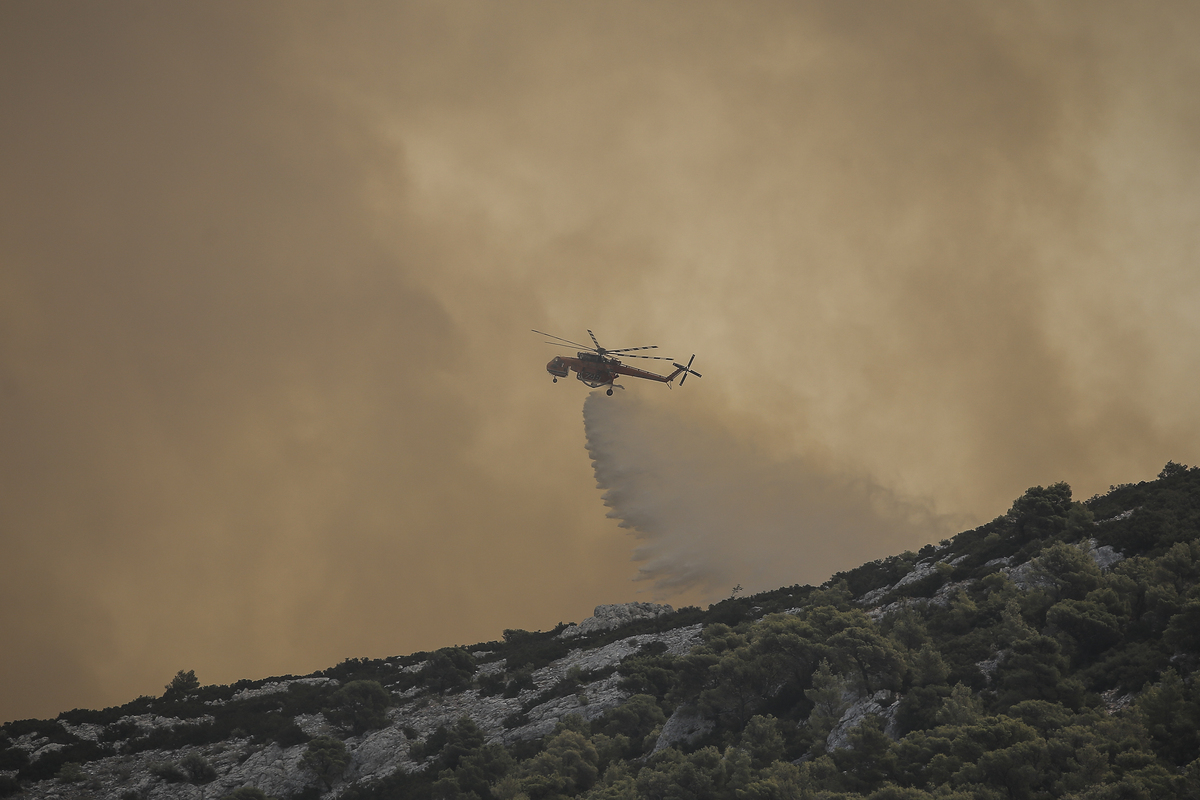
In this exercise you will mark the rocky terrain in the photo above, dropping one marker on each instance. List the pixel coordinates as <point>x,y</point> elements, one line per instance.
<point>276,769</point>
<point>1058,643</point>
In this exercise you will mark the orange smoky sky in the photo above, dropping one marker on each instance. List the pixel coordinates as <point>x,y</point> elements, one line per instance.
<point>268,395</point>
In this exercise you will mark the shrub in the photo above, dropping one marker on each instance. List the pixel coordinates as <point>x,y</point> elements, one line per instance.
<point>448,669</point>
<point>361,706</point>
<point>166,771</point>
<point>198,770</point>
<point>70,772</point>
<point>326,758</point>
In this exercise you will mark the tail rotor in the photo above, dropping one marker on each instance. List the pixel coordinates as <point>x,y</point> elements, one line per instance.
<point>687,370</point>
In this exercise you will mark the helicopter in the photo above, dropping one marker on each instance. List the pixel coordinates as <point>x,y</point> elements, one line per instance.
<point>598,366</point>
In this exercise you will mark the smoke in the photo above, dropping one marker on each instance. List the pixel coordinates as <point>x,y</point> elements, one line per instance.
<point>712,510</point>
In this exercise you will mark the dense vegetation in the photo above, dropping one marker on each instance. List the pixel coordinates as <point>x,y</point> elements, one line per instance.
<point>1005,663</point>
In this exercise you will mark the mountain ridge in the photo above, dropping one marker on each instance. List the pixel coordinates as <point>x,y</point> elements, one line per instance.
<point>962,669</point>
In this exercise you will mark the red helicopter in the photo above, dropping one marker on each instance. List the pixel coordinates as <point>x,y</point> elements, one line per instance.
<point>597,366</point>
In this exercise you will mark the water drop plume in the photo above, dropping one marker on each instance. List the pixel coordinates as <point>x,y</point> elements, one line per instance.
<point>711,510</point>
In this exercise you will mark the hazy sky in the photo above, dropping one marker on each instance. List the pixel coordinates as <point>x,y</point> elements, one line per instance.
<point>268,395</point>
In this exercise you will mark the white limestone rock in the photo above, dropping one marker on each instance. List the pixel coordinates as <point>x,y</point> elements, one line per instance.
<point>989,665</point>
<point>275,687</point>
<point>1104,556</point>
<point>89,731</point>
<point>679,641</point>
<point>378,754</point>
<point>1029,576</point>
<point>148,723</point>
<point>869,599</point>
<point>607,617</point>
<point>273,769</point>
<point>1115,701</point>
<point>685,726</point>
<point>315,725</point>
<point>922,570</point>
<point>492,667</point>
<point>882,704</point>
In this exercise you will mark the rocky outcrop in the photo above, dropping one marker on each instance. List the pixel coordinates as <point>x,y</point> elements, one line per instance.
<point>684,726</point>
<point>276,687</point>
<point>882,704</point>
<point>607,617</point>
<point>1029,576</point>
<point>1026,576</point>
<point>1104,556</point>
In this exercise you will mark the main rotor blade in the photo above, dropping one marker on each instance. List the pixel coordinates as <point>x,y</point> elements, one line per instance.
<point>656,358</point>
<point>577,346</point>
<point>598,347</point>
<point>561,339</point>
<point>627,349</point>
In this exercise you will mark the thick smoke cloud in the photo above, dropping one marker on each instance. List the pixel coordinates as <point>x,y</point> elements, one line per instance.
<point>710,510</point>
<point>268,397</point>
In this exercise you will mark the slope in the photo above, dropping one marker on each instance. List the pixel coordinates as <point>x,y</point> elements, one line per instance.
<point>1049,653</point>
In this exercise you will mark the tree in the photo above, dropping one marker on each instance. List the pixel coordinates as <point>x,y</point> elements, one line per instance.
<point>361,706</point>
<point>566,766</point>
<point>1035,669</point>
<point>1091,627</point>
<point>763,741</point>
<point>184,683</point>
<point>1071,571</point>
<point>1041,512</point>
<point>326,758</point>
<point>860,649</point>
<point>960,708</point>
<point>463,739</point>
<point>1183,631</point>
<point>674,776</point>
<point>829,698</point>
<point>779,781</point>
<point>448,669</point>
<point>634,719</point>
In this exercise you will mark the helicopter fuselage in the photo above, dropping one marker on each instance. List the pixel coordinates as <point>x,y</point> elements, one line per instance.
<point>595,370</point>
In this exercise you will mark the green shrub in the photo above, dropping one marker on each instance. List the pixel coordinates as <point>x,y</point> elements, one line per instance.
<point>198,770</point>
<point>326,758</point>
<point>166,771</point>
<point>360,706</point>
<point>449,669</point>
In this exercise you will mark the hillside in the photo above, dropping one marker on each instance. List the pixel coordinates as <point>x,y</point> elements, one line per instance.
<point>1049,653</point>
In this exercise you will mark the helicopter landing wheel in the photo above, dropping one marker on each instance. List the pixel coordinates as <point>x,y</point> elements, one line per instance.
<point>556,380</point>
<point>609,392</point>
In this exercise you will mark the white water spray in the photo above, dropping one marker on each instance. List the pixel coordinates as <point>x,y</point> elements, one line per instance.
<point>712,512</point>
